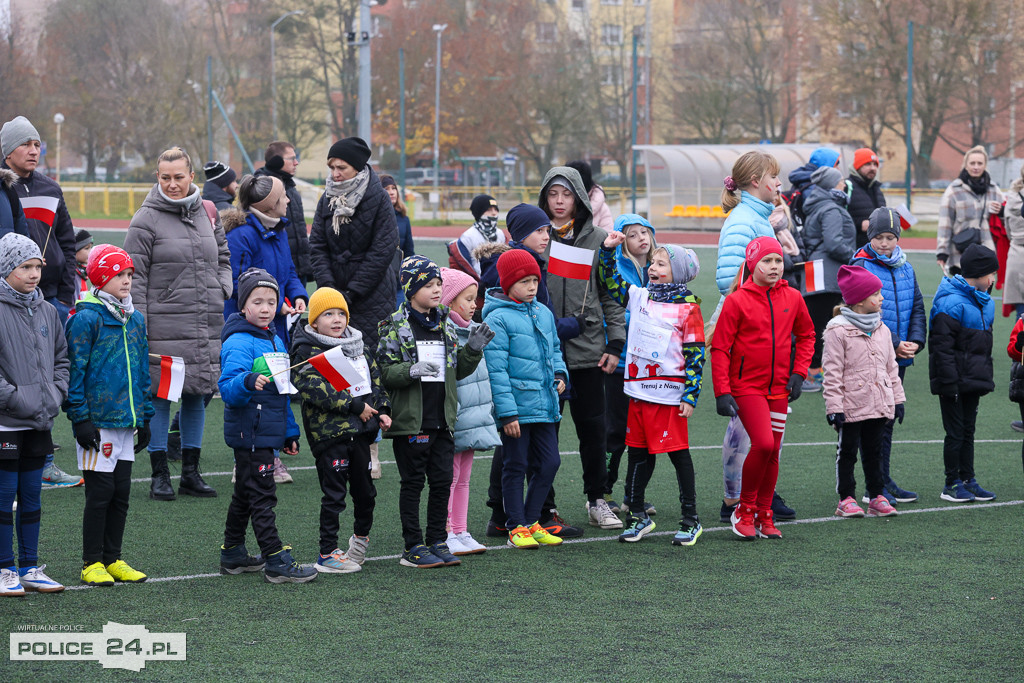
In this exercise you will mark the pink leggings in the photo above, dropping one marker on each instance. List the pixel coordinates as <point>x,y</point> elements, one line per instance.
<point>458,501</point>
<point>764,420</point>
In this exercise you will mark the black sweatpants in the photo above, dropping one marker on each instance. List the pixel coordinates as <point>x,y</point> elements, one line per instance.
<point>424,457</point>
<point>106,509</point>
<point>866,436</point>
<point>253,499</point>
<point>494,498</point>
<point>588,415</point>
<point>617,409</point>
<point>345,465</point>
<point>820,307</point>
<point>958,419</point>
<point>639,467</point>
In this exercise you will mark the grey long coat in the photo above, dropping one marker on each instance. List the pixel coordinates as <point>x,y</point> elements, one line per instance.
<point>1013,289</point>
<point>182,279</point>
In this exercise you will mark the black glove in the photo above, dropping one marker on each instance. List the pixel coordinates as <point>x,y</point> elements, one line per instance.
<point>581,321</point>
<point>726,406</point>
<point>143,434</point>
<point>794,386</point>
<point>291,443</point>
<point>480,337</point>
<point>900,412</point>
<point>1019,344</point>
<point>87,436</point>
<point>837,420</point>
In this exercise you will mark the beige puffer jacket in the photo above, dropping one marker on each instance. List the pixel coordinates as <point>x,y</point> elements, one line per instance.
<point>862,380</point>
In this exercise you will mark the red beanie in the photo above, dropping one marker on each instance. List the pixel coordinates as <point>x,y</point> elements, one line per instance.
<point>864,156</point>
<point>514,265</point>
<point>105,262</point>
<point>759,248</point>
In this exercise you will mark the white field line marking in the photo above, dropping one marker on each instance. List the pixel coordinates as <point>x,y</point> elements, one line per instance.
<point>599,539</point>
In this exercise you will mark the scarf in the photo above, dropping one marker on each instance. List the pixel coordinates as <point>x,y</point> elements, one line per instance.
<point>23,299</point>
<point>839,197</point>
<point>865,322</point>
<point>121,309</point>
<point>979,185</point>
<point>564,232</point>
<point>894,260</point>
<point>344,197</point>
<point>350,341</point>
<point>457,319</point>
<point>186,204</point>
<point>667,292</point>
<point>424,319</point>
<point>269,222</point>
<point>488,227</point>
<point>80,269</point>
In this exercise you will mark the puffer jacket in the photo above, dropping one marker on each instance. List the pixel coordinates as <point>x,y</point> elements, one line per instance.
<point>109,368</point>
<point>330,416</point>
<point>12,218</point>
<point>523,360</point>
<point>362,260</point>
<point>865,197</point>
<point>625,266</point>
<point>960,209</point>
<point>903,304</point>
<point>605,329</point>
<point>599,205</point>
<point>33,362</point>
<point>252,419</point>
<point>862,380</point>
<point>960,339</point>
<point>212,192</point>
<point>295,228</point>
<point>747,221</point>
<point>475,426</point>
<point>182,279</point>
<point>828,235</point>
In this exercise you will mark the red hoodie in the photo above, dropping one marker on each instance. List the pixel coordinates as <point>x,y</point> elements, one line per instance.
<point>1011,348</point>
<point>752,347</point>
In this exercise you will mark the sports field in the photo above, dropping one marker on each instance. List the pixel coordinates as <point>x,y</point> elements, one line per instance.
<point>933,594</point>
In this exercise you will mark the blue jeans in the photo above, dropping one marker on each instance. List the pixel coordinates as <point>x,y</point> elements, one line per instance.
<point>193,417</point>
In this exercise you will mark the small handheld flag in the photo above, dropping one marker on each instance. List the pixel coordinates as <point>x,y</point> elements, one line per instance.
<point>814,276</point>
<point>570,262</point>
<point>907,219</point>
<point>337,369</point>
<point>172,378</point>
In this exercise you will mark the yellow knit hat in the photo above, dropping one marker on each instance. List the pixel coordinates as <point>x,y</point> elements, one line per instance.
<point>323,299</point>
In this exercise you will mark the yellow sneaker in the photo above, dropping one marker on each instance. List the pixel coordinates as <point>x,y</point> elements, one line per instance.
<point>97,575</point>
<point>521,538</point>
<point>122,572</point>
<point>543,536</point>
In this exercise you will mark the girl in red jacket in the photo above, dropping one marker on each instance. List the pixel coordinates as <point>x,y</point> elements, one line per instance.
<point>1017,374</point>
<point>755,372</point>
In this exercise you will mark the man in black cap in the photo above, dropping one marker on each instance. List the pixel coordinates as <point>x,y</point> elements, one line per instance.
<point>282,162</point>
<point>221,184</point>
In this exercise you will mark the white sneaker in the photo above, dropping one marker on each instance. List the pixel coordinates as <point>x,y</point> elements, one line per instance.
<point>35,580</point>
<point>281,475</point>
<point>10,586</point>
<point>357,546</point>
<point>602,516</point>
<point>455,546</point>
<point>374,462</point>
<point>336,563</point>
<point>467,540</point>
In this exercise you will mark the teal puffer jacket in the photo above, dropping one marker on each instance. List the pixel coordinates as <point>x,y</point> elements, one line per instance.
<point>475,426</point>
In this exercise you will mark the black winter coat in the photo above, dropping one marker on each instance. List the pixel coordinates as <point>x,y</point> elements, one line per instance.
<point>362,260</point>
<point>865,197</point>
<point>298,236</point>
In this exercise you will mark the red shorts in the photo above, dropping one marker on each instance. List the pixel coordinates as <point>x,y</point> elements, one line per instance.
<point>656,427</point>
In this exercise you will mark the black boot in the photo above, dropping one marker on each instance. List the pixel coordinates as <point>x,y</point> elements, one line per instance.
<point>174,446</point>
<point>161,488</point>
<point>192,483</point>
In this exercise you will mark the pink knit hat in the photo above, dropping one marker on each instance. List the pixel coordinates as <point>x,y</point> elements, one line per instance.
<point>857,283</point>
<point>453,282</point>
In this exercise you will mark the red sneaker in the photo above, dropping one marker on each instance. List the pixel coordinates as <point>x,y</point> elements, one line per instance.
<point>743,522</point>
<point>764,525</point>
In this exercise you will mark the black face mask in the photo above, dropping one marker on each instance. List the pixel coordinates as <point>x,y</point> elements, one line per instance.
<point>488,227</point>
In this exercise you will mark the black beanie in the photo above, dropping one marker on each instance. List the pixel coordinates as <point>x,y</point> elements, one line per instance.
<point>978,261</point>
<point>219,173</point>
<point>250,280</point>
<point>481,203</point>
<point>353,151</point>
<point>83,238</point>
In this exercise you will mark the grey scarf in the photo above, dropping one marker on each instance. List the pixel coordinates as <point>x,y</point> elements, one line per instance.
<point>345,197</point>
<point>186,204</point>
<point>121,309</point>
<point>350,341</point>
<point>23,299</point>
<point>865,322</point>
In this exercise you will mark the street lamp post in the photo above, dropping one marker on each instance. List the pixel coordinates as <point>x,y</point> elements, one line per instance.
<point>439,29</point>
<point>58,119</point>
<point>273,70</point>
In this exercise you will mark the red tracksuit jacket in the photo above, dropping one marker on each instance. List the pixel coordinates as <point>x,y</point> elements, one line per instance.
<point>752,346</point>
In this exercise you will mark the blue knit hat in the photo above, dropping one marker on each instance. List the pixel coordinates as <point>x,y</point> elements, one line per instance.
<point>823,156</point>
<point>416,272</point>
<point>522,219</point>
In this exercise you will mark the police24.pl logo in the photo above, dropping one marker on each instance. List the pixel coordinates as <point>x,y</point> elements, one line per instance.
<point>118,646</point>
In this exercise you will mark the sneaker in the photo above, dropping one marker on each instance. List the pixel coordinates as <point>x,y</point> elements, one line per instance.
<point>688,533</point>
<point>885,494</point>
<point>10,585</point>
<point>779,508</point>
<point>561,528</point>
<point>470,544</point>
<point>1017,426</point>
<point>33,579</point>
<point>543,536</point>
<point>649,509</point>
<point>880,507</point>
<point>725,515</point>
<point>637,529</point>
<point>442,552</point>
<point>281,568</point>
<point>601,516</point>
<point>979,493</point>
<point>956,493</point>
<point>336,563</point>
<point>848,508</point>
<point>281,475</point>
<point>764,525</point>
<point>357,546</point>
<point>899,495</point>
<point>521,538</point>
<point>496,530</point>
<point>742,521</point>
<point>237,560</point>
<point>613,506</point>
<point>121,571</point>
<point>97,575</point>
<point>455,546</point>
<point>55,477</point>
<point>420,557</point>
<point>813,384</point>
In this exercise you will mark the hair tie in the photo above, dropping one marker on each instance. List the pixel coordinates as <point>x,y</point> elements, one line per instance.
<point>730,184</point>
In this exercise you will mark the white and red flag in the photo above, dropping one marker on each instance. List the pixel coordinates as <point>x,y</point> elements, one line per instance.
<point>814,276</point>
<point>570,262</point>
<point>907,219</point>
<point>40,208</point>
<point>338,369</point>
<point>172,378</point>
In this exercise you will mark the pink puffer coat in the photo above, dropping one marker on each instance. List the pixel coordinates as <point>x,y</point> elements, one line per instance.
<point>862,379</point>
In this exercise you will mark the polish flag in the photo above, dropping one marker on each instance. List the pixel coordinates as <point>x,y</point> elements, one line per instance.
<point>814,276</point>
<point>337,369</point>
<point>907,219</point>
<point>40,208</point>
<point>172,378</point>
<point>570,262</point>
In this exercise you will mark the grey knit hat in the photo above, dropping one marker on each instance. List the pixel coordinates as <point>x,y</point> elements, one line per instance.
<point>16,133</point>
<point>826,177</point>
<point>15,249</point>
<point>685,264</point>
<point>250,280</point>
<point>883,219</point>
<point>83,238</point>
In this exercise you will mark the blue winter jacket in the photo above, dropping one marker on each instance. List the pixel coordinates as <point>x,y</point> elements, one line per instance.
<point>475,426</point>
<point>960,339</point>
<point>627,268</point>
<point>746,222</point>
<point>903,305</point>
<point>404,235</point>
<point>523,360</point>
<point>253,245</point>
<point>252,419</point>
<point>110,382</point>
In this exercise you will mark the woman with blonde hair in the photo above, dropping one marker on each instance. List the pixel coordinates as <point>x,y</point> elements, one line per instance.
<point>965,209</point>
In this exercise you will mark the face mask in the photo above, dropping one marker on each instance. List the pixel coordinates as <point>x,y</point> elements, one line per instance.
<point>488,225</point>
